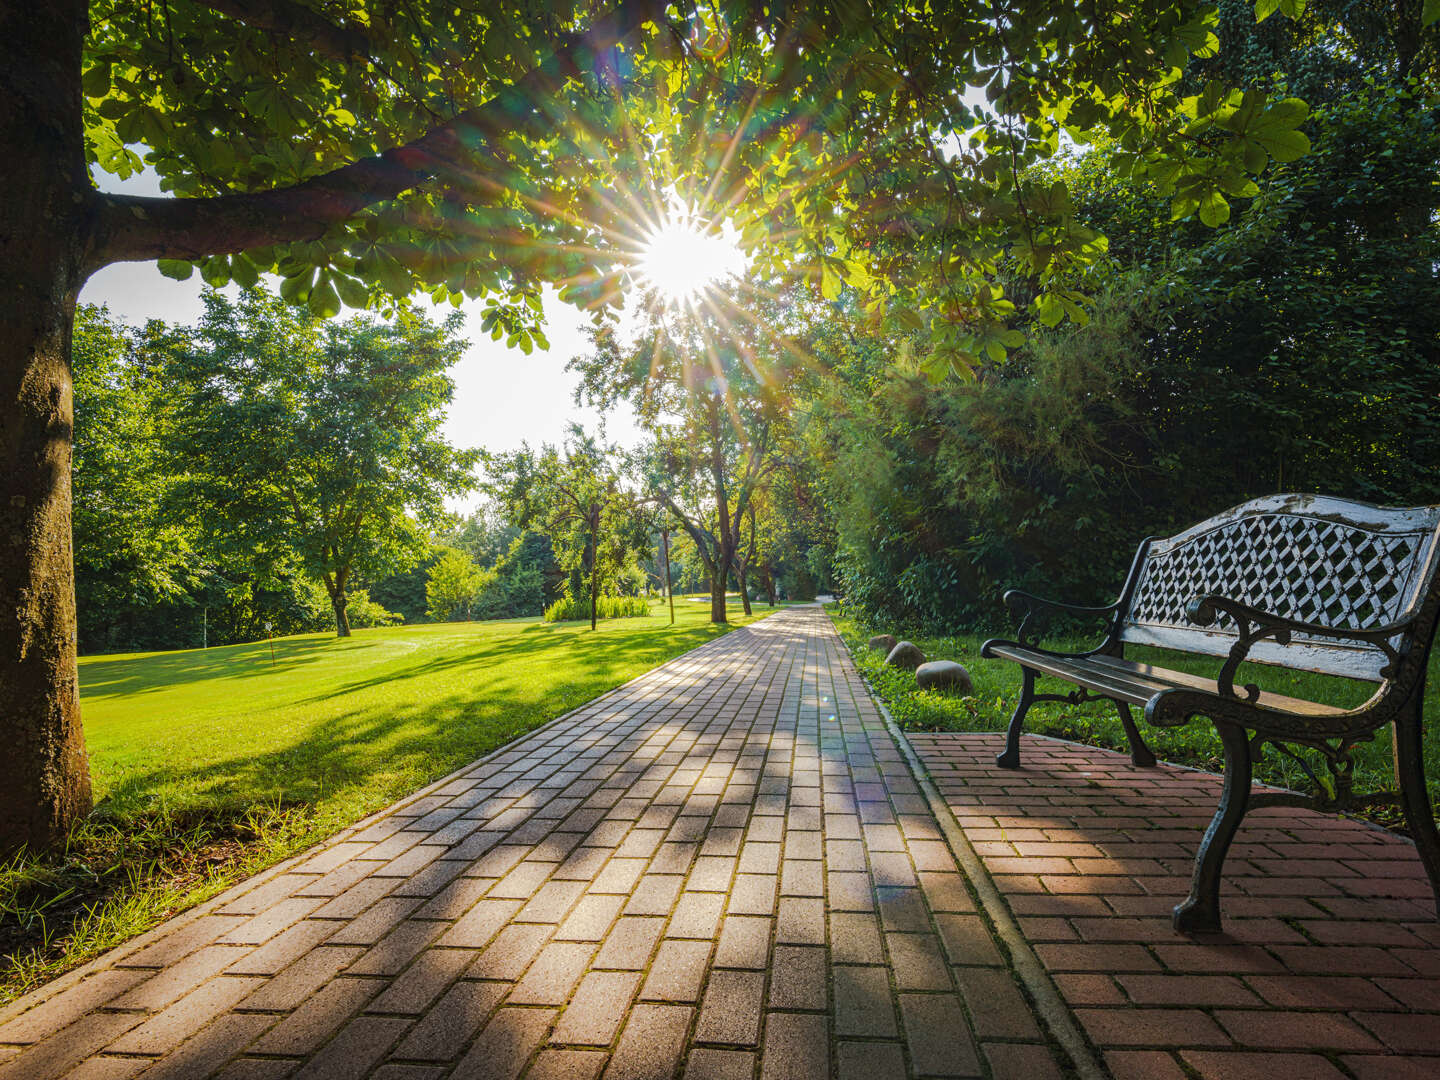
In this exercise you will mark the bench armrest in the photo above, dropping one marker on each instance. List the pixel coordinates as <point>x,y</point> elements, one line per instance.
<point>1028,605</point>
<point>1255,624</point>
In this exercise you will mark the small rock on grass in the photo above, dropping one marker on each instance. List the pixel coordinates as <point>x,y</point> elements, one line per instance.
<point>883,642</point>
<point>905,655</point>
<point>943,675</point>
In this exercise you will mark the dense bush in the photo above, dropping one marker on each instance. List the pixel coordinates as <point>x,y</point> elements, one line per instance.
<point>1296,349</point>
<point>568,609</point>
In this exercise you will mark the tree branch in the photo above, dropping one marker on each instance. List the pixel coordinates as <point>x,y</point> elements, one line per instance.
<point>295,21</point>
<point>130,228</point>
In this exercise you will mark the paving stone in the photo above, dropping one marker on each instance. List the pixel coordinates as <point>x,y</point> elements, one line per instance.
<point>795,1048</point>
<point>597,1008</point>
<point>504,1047</point>
<point>309,1026</point>
<point>651,1044</point>
<point>678,971</point>
<point>449,1023</point>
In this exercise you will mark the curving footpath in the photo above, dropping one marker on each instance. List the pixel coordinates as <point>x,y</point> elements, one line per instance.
<point>724,868</point>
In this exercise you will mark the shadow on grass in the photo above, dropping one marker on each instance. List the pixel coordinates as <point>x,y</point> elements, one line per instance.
<point>139,674</point>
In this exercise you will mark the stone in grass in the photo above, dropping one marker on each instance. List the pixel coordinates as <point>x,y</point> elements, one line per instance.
<point>883,642</point>
<point>943,675</point>
<point>905,655</point>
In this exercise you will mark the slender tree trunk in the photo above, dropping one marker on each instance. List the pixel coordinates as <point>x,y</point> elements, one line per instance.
<point>44,775</point>
<point>769,578</point>
<point>724,541</point>
<point>594,568</point>
<point>669,585</point>
<point>742,573</point>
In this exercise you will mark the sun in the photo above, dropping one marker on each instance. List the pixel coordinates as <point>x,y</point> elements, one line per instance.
<point>683,257</point>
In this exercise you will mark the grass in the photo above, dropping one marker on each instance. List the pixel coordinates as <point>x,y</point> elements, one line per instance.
<point>996,689</point>
<point>209,765</point>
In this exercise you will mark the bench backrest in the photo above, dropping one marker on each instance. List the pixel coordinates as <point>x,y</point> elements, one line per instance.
<point>1332,562</point>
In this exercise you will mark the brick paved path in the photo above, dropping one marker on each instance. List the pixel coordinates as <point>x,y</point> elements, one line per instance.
<point>1331,962</point>
<point>723,869</point>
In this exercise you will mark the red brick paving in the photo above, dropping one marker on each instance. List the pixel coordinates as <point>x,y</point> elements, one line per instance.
<point>1330,964</point>
<point>722,869</point>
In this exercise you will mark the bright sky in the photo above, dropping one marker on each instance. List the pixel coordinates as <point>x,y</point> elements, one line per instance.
<point>502,396</point>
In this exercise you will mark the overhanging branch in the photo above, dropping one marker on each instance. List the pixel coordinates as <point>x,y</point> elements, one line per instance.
<point>297,22</point>
<point>131,228</point>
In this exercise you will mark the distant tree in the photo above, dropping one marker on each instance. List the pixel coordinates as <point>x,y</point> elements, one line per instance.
<point>322,439</point>
<point>455,585</point>
<point>573,494</point>
<point>132,548</point>
<point>713,395</point>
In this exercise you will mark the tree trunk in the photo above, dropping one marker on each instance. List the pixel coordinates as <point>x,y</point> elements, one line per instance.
<point>669,585</point>
<point>594,568</point>
<point>743,575</point>
<point>44,775</point>
<point>717,591</point>
<point>339,601</point>
<point>342,619</point>
<point>769,578</point>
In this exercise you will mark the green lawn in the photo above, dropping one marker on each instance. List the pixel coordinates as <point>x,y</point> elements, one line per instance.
<point>997,688</point>
<point>209,765</point>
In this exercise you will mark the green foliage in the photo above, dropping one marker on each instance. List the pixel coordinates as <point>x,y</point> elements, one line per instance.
<point>219,105</point>
<point>455,585</point>
<point>364,613</point>
<point>320,440</point>
<point>570,609</point>
<point>573,495</point>
<point>1292,350</point>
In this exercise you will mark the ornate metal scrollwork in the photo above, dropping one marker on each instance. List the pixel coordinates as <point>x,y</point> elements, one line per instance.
<point>1335,797</point>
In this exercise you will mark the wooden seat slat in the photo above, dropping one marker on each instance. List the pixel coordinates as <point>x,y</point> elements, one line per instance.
<point>1137,683</point>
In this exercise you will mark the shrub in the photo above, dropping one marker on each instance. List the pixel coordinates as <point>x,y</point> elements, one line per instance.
<point>363,612</point>
<point>567,609</point>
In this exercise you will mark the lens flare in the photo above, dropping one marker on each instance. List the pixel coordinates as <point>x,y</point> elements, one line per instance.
<point>683,257</point>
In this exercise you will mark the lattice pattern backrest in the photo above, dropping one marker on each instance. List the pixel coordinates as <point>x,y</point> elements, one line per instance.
<point>1323,561</point>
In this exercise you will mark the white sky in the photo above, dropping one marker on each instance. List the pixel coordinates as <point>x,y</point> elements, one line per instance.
<point>502,396</point>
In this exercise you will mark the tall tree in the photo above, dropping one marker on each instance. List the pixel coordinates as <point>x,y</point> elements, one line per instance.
<point>371,146</point>
<point>712,394</point>
<point>322,439</point>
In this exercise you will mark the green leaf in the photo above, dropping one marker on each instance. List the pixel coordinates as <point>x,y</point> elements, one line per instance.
<point>244,271</point>
<point>1291,9</point>
<point>178,269</point>
<point>1430,12</point>
<point>1050,309</point>
<point>354,292</point>
<point>295,289</point>
<point>1214,209</point>
<point>829,281</point>
<point>323,300</point>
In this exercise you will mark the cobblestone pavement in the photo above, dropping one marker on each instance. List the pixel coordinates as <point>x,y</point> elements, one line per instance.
<point>1330,966</point>
<point>722,869</point>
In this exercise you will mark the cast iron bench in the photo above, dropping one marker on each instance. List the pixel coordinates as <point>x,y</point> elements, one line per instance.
<point>1298,581</point>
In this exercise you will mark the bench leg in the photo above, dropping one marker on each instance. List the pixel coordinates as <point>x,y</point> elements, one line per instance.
<point>1140,754</point>
<point>1010,759</point>
<point>1410,776</point>
<point>1200,912</point>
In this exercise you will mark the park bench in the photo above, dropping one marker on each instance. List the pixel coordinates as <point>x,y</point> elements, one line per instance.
<point>1298,581</point>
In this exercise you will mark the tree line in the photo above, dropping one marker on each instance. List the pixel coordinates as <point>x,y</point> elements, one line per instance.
<point>269,471</point>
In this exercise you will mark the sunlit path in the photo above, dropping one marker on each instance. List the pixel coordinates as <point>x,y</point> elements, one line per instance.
<point>721,869</point>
